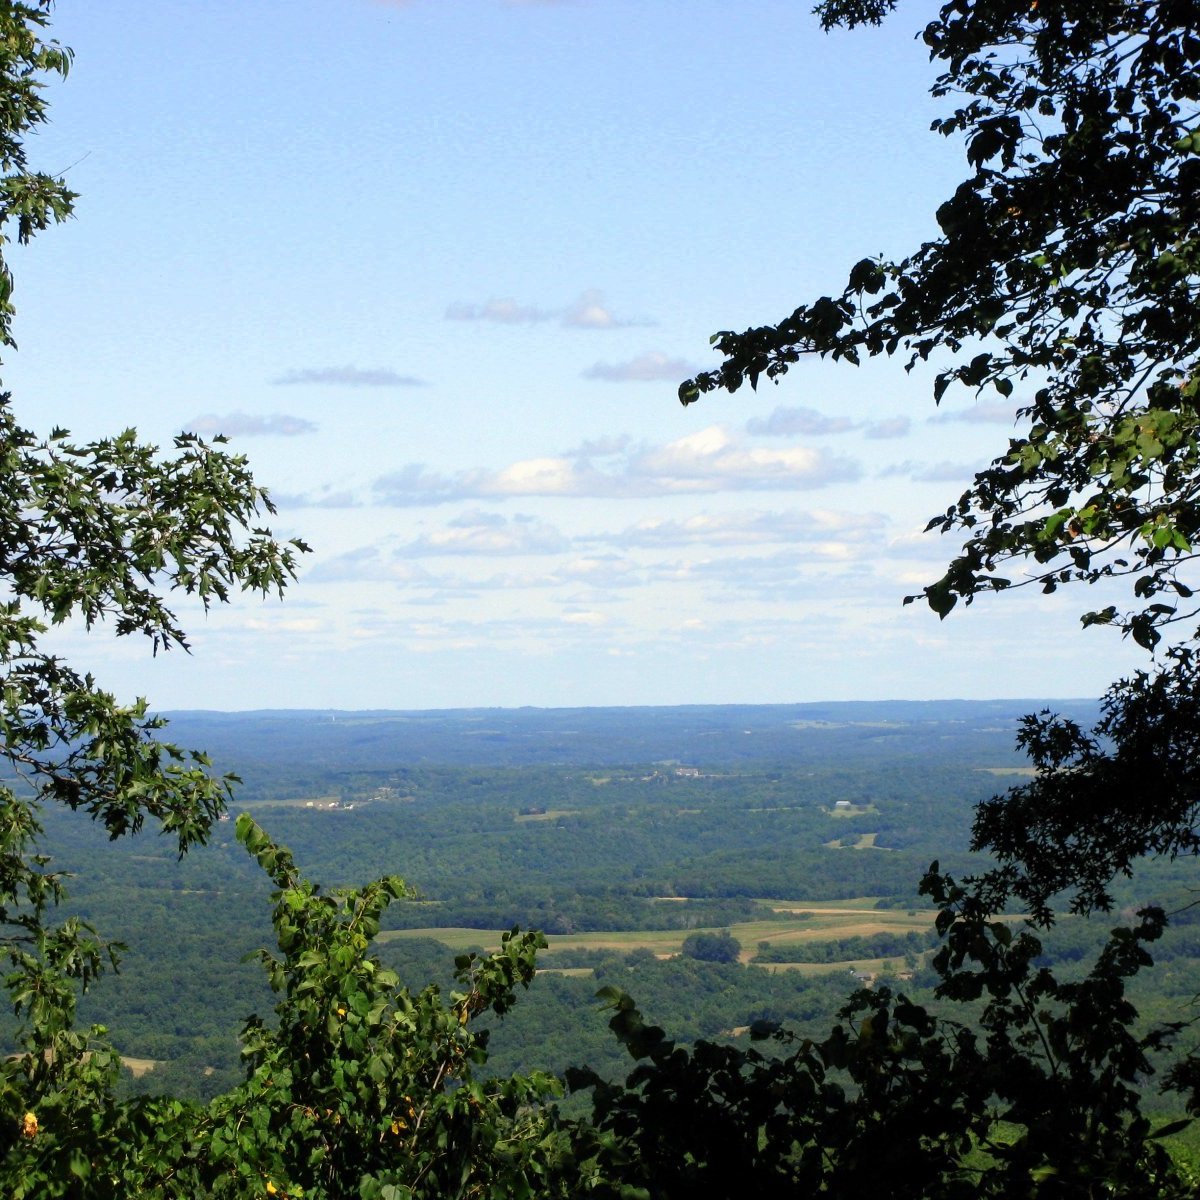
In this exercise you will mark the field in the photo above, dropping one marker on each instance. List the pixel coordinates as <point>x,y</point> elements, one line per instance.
<point>139,1066</point>
<point>814,921</point>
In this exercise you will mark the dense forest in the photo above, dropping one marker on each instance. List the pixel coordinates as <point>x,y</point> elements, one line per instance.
<point>850,805</point>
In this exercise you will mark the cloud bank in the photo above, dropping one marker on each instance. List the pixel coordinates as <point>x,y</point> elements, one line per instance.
<point>710,460</point>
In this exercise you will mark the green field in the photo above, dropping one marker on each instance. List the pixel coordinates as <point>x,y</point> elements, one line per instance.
<point>817,921</point>
<point>853,810</point>
<point>861,966</point>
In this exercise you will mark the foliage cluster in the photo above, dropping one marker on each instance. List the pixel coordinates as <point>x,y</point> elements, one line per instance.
<point>720,947</point>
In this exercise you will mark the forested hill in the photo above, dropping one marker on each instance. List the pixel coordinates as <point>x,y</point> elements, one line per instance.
<point>699,734</point>
<point>617,831</point>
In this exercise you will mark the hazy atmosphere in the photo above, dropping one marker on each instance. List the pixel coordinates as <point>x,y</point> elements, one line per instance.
<point>438,268</point>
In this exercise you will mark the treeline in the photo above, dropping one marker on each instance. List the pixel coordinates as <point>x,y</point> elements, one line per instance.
<point>873,945</point>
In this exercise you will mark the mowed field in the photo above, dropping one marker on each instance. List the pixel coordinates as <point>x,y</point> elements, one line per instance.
<point>794,922</point>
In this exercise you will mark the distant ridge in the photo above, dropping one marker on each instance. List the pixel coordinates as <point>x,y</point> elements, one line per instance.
<point>373,739</point>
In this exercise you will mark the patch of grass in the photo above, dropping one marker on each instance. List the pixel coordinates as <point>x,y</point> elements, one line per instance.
<point>456,938</point>
<point>852,810</point>
<point>864,841</point>
<point>830,927</point>
<point>322,802</point>
<point>139,1066</point>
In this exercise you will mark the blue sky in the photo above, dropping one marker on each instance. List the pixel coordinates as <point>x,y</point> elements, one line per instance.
<point>438,266</point>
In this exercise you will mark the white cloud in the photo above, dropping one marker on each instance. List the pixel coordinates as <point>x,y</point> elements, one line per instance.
<point>348,377</point>
<point>590,312</point>
<point>240,424</point>
<point>711,460</point>
<point>534,477</point>
<point>588,618</point>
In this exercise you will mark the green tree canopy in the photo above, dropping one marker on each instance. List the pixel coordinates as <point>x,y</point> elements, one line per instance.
<point>720,947</point>
<point>101,534</point>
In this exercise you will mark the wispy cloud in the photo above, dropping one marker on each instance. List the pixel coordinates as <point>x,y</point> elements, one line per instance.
<point>240,424</point>
<point>798,422</point>
<point>808,422</point>
<point>600,572</point>
<point>480,533</point>
<point>383,377</point>
<point>751,528</point>
<point>990,412</point>
<point>505,311</point>
<point>939,472</point>
<point>946,472</point>
<point>599,561</point>
<point>785,575</point>
<point>890,427</point>
<point>325,497</point>
<point>710,460</point>
<point>651,367</point>
<point>588,312</point>
<point>503,3</point>
<point>592,574</point>
<point>369,564</point>
<point>601,447</point>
